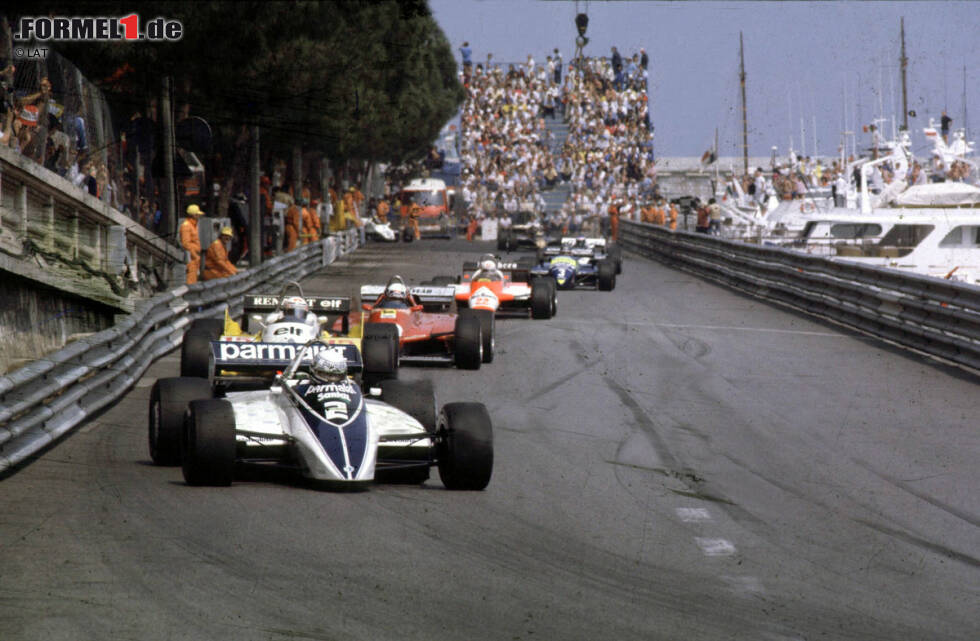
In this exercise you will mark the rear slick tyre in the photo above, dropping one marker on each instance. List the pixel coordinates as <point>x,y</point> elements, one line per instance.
<point>542,299</point>
<point>379,351</point>
<point>195,350</point>
<point>468,341</point>
<point>607,276</point>
<point>168,402</point>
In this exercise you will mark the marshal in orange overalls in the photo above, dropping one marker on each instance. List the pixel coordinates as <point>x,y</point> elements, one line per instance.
<point>190,240</point>
<point>292,227</point>
<point>413,220</point>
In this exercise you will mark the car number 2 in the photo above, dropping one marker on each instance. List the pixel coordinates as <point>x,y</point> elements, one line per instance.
<point>335,411</point>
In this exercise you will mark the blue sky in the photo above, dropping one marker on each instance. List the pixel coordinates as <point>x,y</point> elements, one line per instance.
<point>800,58</point>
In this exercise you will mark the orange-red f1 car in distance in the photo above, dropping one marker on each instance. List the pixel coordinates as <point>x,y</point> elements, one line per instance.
<point>503,289</point>
<point>427,332</point>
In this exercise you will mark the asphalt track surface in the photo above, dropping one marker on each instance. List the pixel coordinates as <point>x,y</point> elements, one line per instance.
<point>673,461</point>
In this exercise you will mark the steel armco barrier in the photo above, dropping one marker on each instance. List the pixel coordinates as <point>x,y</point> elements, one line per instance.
<point>934,316</point>
<point>42,401</point>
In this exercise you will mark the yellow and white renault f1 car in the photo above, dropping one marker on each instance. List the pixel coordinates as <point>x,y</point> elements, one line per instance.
<point>276,323</point>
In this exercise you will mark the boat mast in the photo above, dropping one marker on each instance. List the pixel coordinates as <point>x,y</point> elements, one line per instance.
<point>904,61</point>
<point>966,126</point>
<point>745,118</point>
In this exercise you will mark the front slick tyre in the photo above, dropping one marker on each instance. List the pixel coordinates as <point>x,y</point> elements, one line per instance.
<point>465,448</point>
<point>209,443</point>
<point>486,318</point>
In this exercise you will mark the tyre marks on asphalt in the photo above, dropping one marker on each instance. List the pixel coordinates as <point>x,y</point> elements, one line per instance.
<point>641,419</point>
<point>646,448</point>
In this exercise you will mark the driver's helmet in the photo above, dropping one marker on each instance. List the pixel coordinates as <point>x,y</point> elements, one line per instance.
<point>295,308</point>
<point>488,265</point>
<point>329,366</point>
<point>581,242</point>
<point>396,291</point>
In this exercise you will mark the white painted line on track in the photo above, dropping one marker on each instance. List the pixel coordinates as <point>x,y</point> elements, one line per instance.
<point>146,381</point>
<point>693,514</point>
<point>768,330</point>
<point>715,547</point>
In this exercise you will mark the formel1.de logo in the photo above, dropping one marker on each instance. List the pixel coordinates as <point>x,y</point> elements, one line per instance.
<point>100,28</point>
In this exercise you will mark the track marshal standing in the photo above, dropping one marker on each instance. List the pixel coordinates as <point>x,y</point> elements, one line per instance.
<point>190,240</point>
<point>413,220</point>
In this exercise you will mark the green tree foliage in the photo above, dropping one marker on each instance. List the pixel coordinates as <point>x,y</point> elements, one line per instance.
<point>357,80</point>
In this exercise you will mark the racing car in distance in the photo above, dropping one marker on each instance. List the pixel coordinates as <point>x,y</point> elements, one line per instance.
<point>285,318</point>
<point>603,248</point>
<point>505,289</point>
<point>326,428</point>
<point>427,332</point>
<point>576,264</point>
<point>524,232</point>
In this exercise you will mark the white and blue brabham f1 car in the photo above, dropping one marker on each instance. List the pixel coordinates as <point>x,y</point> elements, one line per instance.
<point>330,432</point>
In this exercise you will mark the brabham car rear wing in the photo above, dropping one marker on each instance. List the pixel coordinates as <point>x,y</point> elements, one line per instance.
<point>258,362</point>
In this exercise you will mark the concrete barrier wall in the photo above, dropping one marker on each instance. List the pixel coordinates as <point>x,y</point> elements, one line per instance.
<point>38,320</point>
<point>45,217</point>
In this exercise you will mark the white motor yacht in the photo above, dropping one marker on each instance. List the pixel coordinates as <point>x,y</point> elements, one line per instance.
<point>945,245</point>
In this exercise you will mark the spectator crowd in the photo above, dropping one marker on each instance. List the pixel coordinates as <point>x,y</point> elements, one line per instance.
<point>509,157</point>
<point>504,143</point>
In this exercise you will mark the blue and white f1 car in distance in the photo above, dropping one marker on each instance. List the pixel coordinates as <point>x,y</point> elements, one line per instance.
<point>327,431</point>
<point>577,264</point>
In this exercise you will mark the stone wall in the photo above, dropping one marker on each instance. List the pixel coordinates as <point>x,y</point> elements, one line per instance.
<point>36,320</point>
